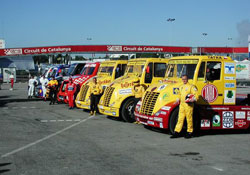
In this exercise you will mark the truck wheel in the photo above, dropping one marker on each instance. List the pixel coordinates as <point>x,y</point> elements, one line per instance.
<point>173,120</point>
<point>127,111</point>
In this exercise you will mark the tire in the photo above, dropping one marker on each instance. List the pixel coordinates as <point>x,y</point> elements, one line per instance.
<point>173,120</point>
<point>127,111</point>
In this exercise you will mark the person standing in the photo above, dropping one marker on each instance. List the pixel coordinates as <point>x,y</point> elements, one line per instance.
<point>95,92</point>
<point>31,88</point>
<point>44,82</point>
<point>70,90</point>
<point>12,81</point>
<point>139,91</point>
<point>53,90</point>
<point>187,96</point>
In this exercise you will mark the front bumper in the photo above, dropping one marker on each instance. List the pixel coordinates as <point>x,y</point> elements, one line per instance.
<point>110,111</point>
<point>82,104</point>
<point>159,121</point>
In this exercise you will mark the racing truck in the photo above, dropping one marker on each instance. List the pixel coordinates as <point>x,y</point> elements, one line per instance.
<point>89,71</point>
<point>119,97</point>
<point>217,106</point>
<point>108,72</point>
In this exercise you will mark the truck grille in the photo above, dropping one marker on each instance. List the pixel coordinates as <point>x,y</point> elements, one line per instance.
<point>107,95</point>
<point>148,103</point>
<point>84,92</point>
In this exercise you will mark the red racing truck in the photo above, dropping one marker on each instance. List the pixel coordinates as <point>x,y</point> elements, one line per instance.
<point>90,70</point>
<point>217,107</point>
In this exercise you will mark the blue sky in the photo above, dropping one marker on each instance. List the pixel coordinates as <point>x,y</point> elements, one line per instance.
<point>29,23</point>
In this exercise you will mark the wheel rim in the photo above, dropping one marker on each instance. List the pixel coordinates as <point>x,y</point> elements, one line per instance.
<point>129,110</point>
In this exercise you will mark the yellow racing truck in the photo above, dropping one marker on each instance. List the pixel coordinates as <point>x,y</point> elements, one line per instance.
<point>217,106</point>
<point>107,73</point>
<point>118,98</point>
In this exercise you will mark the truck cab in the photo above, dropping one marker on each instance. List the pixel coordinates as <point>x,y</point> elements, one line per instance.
<point>89,70</point>
<point>118,98</point>
<point>108,72</point>
<point>216,107</point>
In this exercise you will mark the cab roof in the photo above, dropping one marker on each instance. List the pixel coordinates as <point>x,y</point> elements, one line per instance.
<point>203,58</point>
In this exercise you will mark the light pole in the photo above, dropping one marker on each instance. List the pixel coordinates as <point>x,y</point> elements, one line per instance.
<point>170,20</point>
<point>203,34</point>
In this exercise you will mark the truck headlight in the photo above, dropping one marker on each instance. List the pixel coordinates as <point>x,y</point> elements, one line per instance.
<point>158,113</point>
<point>137,108</point>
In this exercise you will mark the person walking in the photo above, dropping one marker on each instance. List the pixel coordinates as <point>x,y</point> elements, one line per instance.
<point>44,82</point>
<point>53,90</point>
<point>187,96</point>
<point>70,90</point>
<point>95,92</point>
<point>12,79</point>
<point>31,87</point>
<point>139,91</point>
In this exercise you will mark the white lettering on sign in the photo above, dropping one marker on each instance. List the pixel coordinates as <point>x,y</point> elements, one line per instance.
<point>229,85</point>
<point>114,48</point>
<point>209,93</point>
<point>13,51</point>
<point>240,115</point>
<point>59,49</point>
<point>31,51</point>
<point>90,65</point>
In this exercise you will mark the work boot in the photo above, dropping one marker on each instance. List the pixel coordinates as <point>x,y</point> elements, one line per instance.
<point>91,113</point>
<point>175,135</point>
<point>94,113</point>
<point>188,135</point>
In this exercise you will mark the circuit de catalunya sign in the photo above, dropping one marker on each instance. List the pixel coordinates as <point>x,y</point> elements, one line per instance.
<point>92,49</point>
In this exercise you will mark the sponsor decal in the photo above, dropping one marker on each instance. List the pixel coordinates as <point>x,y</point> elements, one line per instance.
<point>175,91</point>
<point>205,123</point>
<point>150,122</point>
<point>229,68</point>
<point>228,119</point>
<point>229,96</point>
<point>104,82</point>
<point>229,85</point>
<point>125,91</point>
<point>248,118</point>
<point>100,106</point>
<point>209,93</point>
<point>248,113</point>
<point>240,123</point>
<point>13,51</point>
<point>161,125</point>
<point>126,85</point>
<point>162,87</point>
<point>114,48</point>
<point>240,115</point>
<point>165,96</point>
<point>229,78</point>
<point>216,121</point>
<point>167,108</point>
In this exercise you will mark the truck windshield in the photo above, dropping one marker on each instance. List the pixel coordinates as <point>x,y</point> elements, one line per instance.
<point>177,68</point>
<point>136,69</point>
<point>106,69</point>
<point>87,70</point>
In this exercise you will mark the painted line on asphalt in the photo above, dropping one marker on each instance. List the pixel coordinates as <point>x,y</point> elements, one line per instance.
<point>45,138</point>
<point>216,168</point>
<point>22,107</point>
<point>69,120</point>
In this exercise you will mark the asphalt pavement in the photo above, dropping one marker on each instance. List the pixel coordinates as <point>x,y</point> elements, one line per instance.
<point>41,139</point>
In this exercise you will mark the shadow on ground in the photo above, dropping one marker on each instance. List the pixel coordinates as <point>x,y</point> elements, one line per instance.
<point>4,170</point>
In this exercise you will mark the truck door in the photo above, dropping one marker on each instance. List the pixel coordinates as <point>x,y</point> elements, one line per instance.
<point>210,83</point>
<point>159,71</point>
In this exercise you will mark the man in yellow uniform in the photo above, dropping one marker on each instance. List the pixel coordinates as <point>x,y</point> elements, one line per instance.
<point>95,92</point>
<point>187,96</point>
<point>139,91</point>
<point>53,90</point>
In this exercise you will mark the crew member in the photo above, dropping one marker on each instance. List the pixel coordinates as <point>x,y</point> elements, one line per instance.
<point>186,108</point>
<point>11,81</point>
<point>53,90</point>
<point>70,90</point>
<point>139,91</point>
<point>95,92</point>
<point>32,82</point>
<point>44,81</point>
